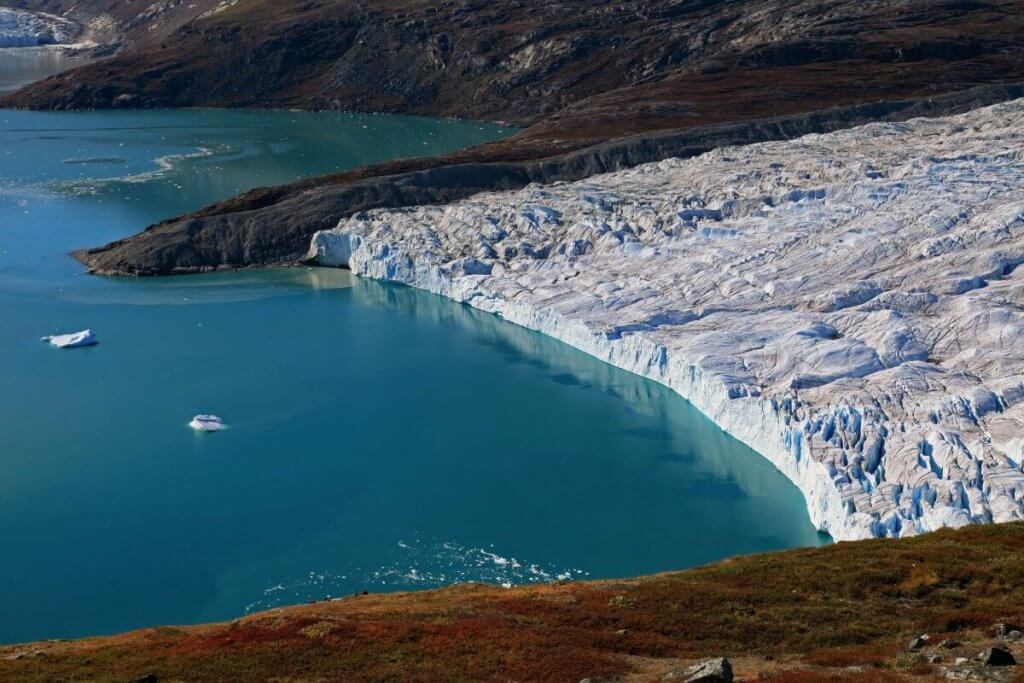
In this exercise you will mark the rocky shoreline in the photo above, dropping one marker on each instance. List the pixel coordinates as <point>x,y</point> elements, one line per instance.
<point>845,303</point>
<point>273,227</point>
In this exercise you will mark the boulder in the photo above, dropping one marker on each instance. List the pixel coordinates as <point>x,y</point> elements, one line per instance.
<point>717,670</point>
<point>918,642</point>
<point>997,656</point>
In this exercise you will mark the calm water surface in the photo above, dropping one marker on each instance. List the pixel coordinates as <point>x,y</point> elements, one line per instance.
<point>380,438</point>
<point>20,66</point>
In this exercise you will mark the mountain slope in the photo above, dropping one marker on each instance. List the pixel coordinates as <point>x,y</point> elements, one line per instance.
<point>574,74</point>
<point>661,64</point>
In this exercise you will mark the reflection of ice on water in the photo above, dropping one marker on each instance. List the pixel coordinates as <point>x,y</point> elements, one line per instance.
<point>213,288</point>
<point>422,565</point>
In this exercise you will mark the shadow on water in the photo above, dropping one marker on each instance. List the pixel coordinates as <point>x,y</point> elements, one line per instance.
<point>682,433</point>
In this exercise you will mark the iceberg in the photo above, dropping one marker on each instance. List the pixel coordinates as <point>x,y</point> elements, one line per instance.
<point>73,340</point>
<point>207,423</point>
<point>849,305</point>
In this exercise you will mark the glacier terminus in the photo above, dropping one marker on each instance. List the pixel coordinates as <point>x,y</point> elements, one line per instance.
<point>848,304</point>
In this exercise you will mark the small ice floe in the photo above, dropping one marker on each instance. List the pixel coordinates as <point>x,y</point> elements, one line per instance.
<point>71,341</point>
<point>207,423</point>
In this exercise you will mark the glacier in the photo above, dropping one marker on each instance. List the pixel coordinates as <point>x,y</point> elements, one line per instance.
<point>19,28</point>
<point>847,304</point>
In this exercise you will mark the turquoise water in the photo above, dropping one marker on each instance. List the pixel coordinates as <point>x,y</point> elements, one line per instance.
<point>380,438</point>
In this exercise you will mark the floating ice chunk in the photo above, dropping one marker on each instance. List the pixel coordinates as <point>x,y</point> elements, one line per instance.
<point>73,340</point>
<point>207,423</point>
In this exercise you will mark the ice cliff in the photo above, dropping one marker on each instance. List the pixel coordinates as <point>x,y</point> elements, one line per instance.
<point>850,305</point>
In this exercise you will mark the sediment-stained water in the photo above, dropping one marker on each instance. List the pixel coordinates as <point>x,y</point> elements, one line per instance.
<point>379,438</point>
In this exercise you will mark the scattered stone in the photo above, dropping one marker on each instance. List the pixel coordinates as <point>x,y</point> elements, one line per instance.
<point>950,643</point>
<point>1007,631</point>
<point>960,660</point>
<point>997,656</point>
<point>124,101</point>
<point>933,658</point>
<point>148,678</point>
<point>621,632</point>
<point>717,670</point>
<point>919,642</point>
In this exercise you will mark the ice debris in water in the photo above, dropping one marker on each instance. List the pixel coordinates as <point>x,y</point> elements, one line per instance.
<point>73,340</point>
<point>207,423</point>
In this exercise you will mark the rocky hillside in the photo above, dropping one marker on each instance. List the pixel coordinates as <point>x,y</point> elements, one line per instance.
<point>574,74</point>
<point>634,65</point>
<point>943,605</point>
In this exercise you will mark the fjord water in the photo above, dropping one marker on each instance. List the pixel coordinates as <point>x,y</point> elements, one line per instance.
<point>380,438</point>
<point>20,66</point>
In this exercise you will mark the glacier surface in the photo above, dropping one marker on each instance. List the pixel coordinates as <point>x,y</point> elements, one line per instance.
<point>849,305</point>
<point>19,28</point>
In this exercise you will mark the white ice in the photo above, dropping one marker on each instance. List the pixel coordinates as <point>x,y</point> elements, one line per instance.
<point>73,340</point>
<point>207,423</point>
<point>849,305</point>
<point>28,29</point>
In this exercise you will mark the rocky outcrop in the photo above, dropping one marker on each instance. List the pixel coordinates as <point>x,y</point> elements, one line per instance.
<point>846,304</point>
<point>274,227</point>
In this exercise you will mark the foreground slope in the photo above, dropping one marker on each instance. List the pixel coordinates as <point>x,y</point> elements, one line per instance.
<point>849,304</point>
<point>844,612</point>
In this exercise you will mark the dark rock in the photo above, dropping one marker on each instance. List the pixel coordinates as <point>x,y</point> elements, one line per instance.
<point>950,643</point>
<point>717,670</point>
<point>997,656</point>
<point>148,678</point>
<point>918,642</point>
